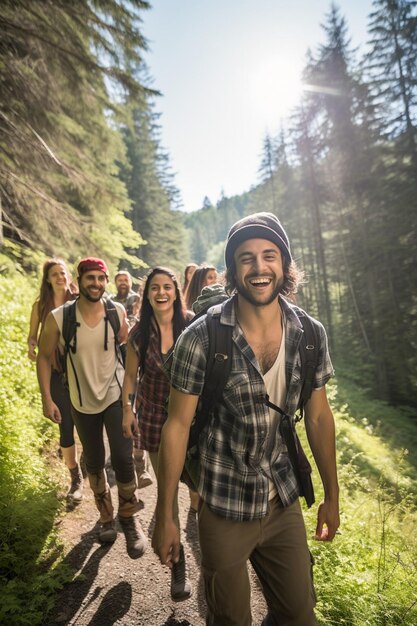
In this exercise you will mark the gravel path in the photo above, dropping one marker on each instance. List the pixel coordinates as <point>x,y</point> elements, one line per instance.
<point>110,588</point>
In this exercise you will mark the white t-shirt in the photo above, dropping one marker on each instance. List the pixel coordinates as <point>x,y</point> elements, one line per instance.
<point>99,372</point>
<point>276,388</point>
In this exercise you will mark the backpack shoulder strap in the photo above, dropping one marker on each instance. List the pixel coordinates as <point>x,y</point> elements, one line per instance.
<point>69,325</point>
<point>69,334</point>
<point>218,367</point>
<point>219,358</point>
<point>112,317</point>
<point>309,355</point>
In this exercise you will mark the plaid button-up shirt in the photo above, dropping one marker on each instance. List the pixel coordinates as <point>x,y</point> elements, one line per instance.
<point>152,392</point>
<point>232,447</point>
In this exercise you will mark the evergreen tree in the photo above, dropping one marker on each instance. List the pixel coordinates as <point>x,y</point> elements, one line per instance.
<point>392,66</point>
<point>58,180</point>
<point>151,190</point>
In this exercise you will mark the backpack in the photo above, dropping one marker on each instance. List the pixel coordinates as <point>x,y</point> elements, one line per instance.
<point>219,364</point>
<point>69,334</point>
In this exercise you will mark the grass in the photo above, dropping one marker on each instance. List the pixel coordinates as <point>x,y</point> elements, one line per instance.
<point>29,503</point>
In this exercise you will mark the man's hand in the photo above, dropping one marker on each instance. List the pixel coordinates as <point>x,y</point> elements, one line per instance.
<point>51,411</point>
<point>166,542</point>
<point>130,423</point>
<point>328,521</point>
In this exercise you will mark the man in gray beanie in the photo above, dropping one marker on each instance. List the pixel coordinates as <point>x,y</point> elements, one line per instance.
<point>249,493</point>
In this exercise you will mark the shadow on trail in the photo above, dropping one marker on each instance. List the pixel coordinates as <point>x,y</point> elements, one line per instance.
<point>87,565</point>
<point>112,608</point>
<point>171,621</point>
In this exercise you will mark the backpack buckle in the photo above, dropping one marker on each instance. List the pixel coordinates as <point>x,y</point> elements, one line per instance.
<point>219,356</point>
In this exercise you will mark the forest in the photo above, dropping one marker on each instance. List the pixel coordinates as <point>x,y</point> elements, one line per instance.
<point>83,171</point>
<point>341,176</point>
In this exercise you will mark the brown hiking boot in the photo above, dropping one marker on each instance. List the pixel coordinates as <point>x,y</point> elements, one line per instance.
<point>75,492</point>
<point>107,532</point>
<point>136,541</point>
<point>180,585</point>
<point>144,478</point>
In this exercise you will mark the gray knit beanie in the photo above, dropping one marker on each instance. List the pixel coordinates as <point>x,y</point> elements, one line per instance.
<point>257,226</point>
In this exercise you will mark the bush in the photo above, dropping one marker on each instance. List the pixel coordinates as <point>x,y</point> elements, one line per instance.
<point>28,497</point>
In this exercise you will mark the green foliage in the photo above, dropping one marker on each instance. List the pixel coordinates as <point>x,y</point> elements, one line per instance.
<point>28,494</point>
<point>367,576</point>
<point>63,69</point>
<point>342,179</point>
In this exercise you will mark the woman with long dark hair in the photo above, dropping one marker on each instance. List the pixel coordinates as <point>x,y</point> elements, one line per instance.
<point>56,289</point>
<point>188,274</point>
<point>203,276</point>
<point>163,316</point>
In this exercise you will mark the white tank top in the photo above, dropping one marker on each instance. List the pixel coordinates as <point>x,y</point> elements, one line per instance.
<point>99,373</point>
<point>276,388</point>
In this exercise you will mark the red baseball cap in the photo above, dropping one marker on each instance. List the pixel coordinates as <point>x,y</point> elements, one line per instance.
<point>92,263</point>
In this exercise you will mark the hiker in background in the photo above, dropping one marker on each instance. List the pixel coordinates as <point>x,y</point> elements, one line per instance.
<point>188,274</point>
<point>126,296</point>
<point>203,276</point>
<point>56,289</point>
<point>95,377</point>
<point>163,317</point>
<point>131,301</point>
<point>249,493</point>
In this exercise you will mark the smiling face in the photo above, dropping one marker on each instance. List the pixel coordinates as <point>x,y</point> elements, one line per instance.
<point>259,271</point>
<point>161,293</point>
<point>123,285</point>
<point>92,285</point>
<point>58,277</point>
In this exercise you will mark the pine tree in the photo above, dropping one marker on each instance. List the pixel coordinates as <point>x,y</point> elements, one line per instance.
<point>58,179</point>
<point>392,67</point>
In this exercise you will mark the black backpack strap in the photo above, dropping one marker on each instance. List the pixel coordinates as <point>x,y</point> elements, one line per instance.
<point>219,365</point>
<point>112,317</point>
<point>309,356</point>
<point>69,334</point>
<point>300,463</point>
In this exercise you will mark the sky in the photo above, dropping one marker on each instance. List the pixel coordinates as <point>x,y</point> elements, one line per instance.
<point>230,72</point>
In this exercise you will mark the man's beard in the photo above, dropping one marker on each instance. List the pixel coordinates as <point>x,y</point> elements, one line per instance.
<point>84,291</point>
<point>249,297</point>
<point>123,292</point>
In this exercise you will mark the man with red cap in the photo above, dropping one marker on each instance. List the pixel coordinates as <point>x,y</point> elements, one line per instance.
<point>95,377</point>
<point>249,493</point>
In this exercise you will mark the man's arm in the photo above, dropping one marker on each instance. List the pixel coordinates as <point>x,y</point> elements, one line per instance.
<point>171,457</point>
<point>320,429</point>
<point>47,346</point>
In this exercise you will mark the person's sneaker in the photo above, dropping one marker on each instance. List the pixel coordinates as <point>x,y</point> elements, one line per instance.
<point>180,585</point>
<point>75,492</point>
<point>136,541</point>
<point>144,480</point>
<point>107,532</point>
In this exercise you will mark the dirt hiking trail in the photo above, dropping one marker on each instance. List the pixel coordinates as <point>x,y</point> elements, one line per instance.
<point>110,588</point>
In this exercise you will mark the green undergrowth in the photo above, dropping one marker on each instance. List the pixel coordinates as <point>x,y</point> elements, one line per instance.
<point>366,577</point>
<point>29,505</point>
